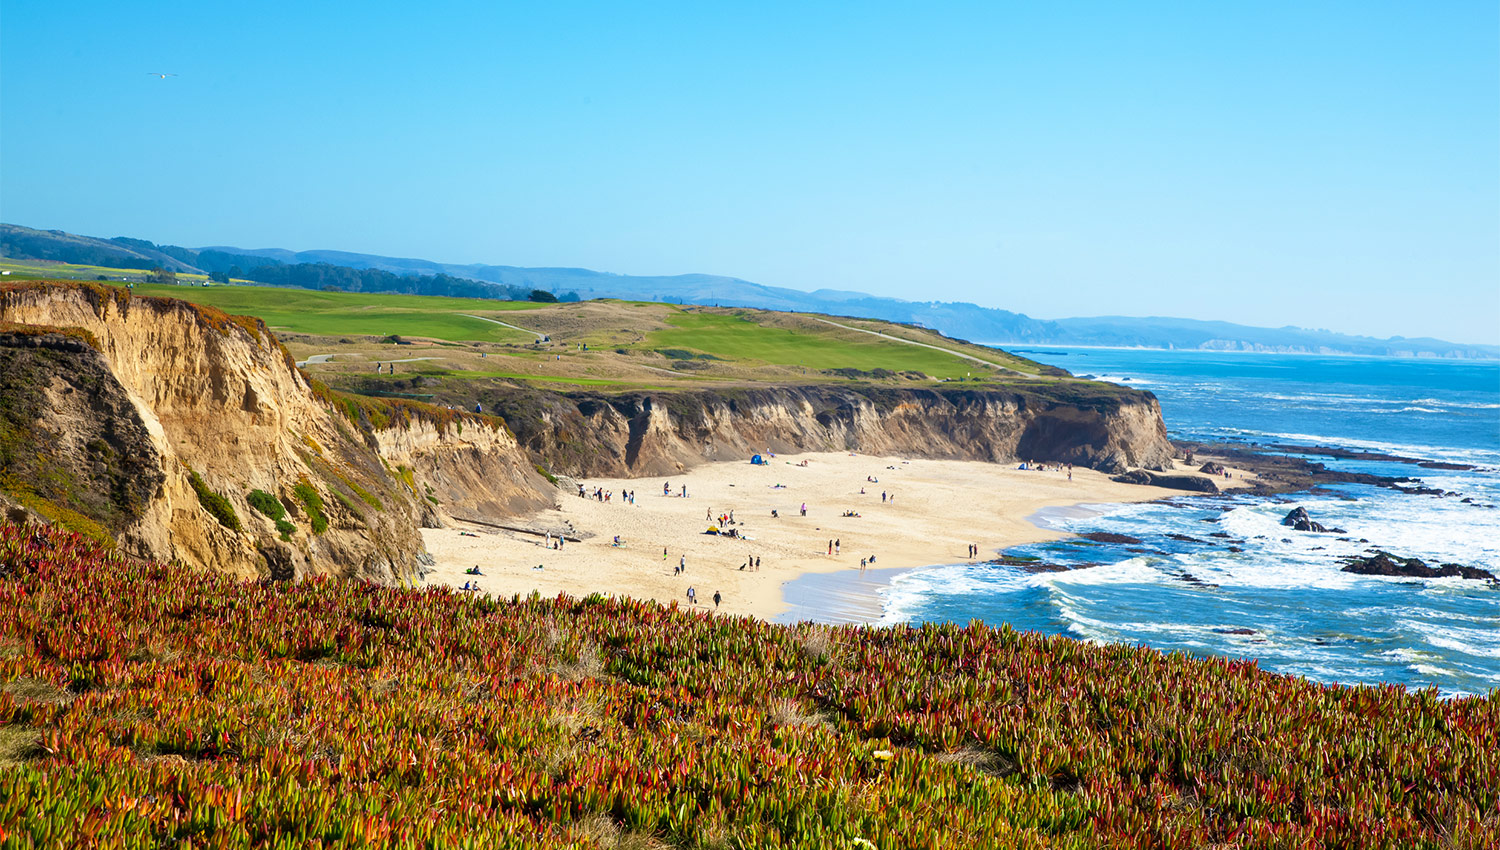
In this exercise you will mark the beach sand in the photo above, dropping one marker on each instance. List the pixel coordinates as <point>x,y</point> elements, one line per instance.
<point>934,510</point>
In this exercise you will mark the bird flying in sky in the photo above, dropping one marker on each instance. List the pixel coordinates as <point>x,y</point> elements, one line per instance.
<point>159,74</point>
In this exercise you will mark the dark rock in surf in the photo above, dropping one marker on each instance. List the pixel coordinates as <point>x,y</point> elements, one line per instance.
<point>1300,520</point>
<point>1386,564</point>
<point>1110,537</point>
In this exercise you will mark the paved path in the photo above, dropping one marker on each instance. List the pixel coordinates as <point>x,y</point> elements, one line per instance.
<point>506,324</point>
<point>328,358</point>
<point>914,342</point>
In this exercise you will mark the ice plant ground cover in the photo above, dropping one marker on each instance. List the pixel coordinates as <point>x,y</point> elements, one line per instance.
<point>146,705</point>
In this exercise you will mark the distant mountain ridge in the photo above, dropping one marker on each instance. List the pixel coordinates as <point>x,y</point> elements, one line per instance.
<point>956,319</point>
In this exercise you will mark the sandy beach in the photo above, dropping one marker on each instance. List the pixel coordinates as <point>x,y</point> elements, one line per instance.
<point>931,512</point>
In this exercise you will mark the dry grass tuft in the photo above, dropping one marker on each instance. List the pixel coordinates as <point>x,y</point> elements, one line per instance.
<point>25,689</point>
<point>787,712</point>
<point>983,761</point>
<point>816,643</point>
<point>19,743</point>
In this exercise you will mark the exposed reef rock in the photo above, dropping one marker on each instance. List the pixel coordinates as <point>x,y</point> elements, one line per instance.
<point>1386,564</point>
<point>1300,520</point>
<point>150,421</point>
<point>1194,483</point>
<point>637,433</point>
<point>1109,537</point>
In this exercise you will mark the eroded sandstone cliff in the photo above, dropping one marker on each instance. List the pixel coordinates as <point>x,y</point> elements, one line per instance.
<point>1099,426</point>
<point>158,419</point>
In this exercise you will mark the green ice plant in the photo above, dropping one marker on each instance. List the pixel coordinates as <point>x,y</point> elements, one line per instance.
<point>144,705</point>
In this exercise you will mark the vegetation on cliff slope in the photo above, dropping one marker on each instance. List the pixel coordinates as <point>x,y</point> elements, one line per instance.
<point>145,705</point>
<point>72,448</point>
<point>215,503</point>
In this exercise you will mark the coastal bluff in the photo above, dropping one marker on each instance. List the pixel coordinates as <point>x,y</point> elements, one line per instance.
<point>180,433</point>
<point>157,424</point>
<point>1099,426</point>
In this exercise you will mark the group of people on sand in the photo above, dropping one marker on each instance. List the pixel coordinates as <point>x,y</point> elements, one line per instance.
<point>602,495</point>
<point>1042,467</point>
<point>666,490</point>
<point>692,595</point>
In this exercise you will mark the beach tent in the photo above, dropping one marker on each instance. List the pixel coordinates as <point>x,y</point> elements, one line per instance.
<point>758,461</point>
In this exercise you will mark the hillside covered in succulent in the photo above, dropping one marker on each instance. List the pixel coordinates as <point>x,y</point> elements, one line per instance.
<point>147,705</point>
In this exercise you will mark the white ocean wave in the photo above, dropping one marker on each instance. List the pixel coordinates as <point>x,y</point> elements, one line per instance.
<point>1451,403</point>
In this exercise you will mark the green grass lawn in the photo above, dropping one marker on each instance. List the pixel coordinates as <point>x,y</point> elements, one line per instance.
<point>355,313</point>
<point>734,338</point>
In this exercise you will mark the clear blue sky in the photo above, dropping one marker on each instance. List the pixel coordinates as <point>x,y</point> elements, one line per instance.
<point>1329,164</point>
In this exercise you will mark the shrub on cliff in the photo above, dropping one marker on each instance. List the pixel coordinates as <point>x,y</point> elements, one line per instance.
<point>214,503</point>
<point>313,503</point>
<point>266,504</point>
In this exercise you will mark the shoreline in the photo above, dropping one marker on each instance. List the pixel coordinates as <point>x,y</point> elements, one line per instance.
<point>932,511</point>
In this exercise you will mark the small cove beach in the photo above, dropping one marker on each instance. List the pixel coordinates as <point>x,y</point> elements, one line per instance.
<point>912,513</point>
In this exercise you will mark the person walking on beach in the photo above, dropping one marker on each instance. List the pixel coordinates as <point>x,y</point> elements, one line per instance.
<point>664,554</point>
<point>804,509</point>
<point>757,563</point>
<point>717,598</point>
<point>882,497</point>
<point>692,596</point>
<point>666,488</point>
<point>830,547</point>
<point>836,546</point>
<point>682,564</point>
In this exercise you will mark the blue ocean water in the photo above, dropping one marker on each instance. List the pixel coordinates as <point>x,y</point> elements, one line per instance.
<point>1283,598</point>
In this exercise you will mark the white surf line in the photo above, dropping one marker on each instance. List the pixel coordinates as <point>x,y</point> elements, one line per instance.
<point>914,342</point>
<point>506,324</point>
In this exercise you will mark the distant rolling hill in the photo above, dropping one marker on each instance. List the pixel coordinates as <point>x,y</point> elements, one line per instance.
<point>956,319</point>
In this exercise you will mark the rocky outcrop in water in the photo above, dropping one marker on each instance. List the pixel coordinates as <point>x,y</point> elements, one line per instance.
<point>1386,564</point>
<point>1300,520</point>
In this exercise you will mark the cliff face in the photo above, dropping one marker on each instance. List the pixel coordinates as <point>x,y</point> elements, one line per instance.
<point>459,470</point>
<point>1104,428</point>
<point>175,390</point>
